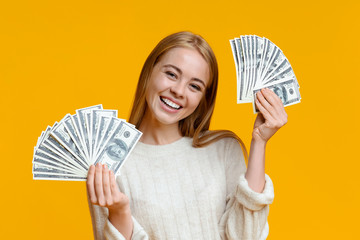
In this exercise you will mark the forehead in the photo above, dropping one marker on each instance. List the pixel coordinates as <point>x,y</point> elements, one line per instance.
<point>189,61</point>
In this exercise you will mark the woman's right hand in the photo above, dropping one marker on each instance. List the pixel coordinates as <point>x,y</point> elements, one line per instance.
<point>104,191</point>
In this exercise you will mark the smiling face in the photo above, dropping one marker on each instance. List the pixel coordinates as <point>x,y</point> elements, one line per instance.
<point>176,86</point>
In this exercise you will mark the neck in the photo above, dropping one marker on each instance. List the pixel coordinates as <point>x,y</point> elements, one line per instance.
<point>156,133</point>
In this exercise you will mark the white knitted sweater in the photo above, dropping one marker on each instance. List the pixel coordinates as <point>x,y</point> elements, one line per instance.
<point>180,192</point>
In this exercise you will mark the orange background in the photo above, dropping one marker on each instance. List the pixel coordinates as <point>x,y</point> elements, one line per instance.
<point>58,56</point>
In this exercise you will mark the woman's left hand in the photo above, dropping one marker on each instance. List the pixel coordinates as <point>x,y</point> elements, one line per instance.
<point>272,115</point>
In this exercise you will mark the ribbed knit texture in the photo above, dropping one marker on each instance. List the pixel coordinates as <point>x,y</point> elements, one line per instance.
<point>180,192</point>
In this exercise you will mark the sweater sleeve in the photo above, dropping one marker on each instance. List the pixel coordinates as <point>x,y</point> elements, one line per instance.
<point>104,230</point>
<point>246,212</point>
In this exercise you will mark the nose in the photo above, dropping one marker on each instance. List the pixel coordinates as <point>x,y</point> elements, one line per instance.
<point>178,89</point>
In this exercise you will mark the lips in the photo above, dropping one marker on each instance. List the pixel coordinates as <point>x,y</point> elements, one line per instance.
<point>170,103</point>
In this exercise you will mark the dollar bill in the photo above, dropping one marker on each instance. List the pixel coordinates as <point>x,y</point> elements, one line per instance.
<point>259,63</point>
<point>285,89</point>
<point>283,72</point>
<point>47,176</point>
<point>247,67</point>
<point>51,170</point>
<point>71,129</point>
<point>278,62</point>
<point>67,149</point>
<point>241,75</point>
<point>118,146</point>
<point>63,137</point>
<point>47,153</point>
<point>81,116</point>
<point>259,50</point>
<point>252,63</point>
<point>107,127</point>
<point>96,117</point>
<point>237,65</point>
<point>64,153</point>
<point>49,157</point>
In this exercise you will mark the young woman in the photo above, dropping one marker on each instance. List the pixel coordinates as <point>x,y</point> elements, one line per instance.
<point>183,181</point>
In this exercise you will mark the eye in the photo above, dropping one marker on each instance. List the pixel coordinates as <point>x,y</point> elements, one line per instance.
<point>195,87</point>
<point>171,74</point>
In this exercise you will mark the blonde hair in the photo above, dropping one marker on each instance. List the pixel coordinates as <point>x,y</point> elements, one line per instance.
<point>196,125</point>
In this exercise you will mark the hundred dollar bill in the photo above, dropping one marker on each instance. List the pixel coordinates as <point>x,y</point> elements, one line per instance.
<point>235,56</point>
<point>244,47</point>
<point>118,146</point>
<point>276,51</point>
<point>50,158</point>
<point>48,149</point>
<point>60,149</point>
<point>106,133</point>
<point>286,89</point>
<point>73,133</point>
<point>259,50</point>
<point>279,62</point>
<point>42,136</point>
<point>285,73</point>
<point>62,136</point>
<point>95,123</point>
<point>88,124</point>
<point>47,176</point>
<point>269,53</point>
<point>241,76</point>
<point>81,114</point>
<point>253,60</point>
<point>43,172</point>
<point>237,64</point>
<point>76,126</point>
<point>53,170</point>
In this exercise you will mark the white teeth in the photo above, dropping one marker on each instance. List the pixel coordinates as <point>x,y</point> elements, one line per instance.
<point>170,103</point>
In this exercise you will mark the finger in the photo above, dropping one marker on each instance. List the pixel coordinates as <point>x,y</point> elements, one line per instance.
<point>106,185</point>
<point>265,113</point>
<point>268,110</point>
<point>99,185</point>
<point>90,184</point>
<point>274,100</point>
<point>277,104</point>
<point>260,96</point>
<point>274,119</point>
<point>113,185</point>
<point>277,107</point>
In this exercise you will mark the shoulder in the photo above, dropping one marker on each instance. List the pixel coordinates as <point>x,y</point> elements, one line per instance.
<point>224,148</point>
<point>222,139</point>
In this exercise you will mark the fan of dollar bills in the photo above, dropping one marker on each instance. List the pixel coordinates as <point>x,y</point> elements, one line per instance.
<point>260,63</point>
<point>92,135</point>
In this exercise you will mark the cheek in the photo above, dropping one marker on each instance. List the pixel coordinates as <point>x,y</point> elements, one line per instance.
<point>195,101</point>
<point>156,86</point>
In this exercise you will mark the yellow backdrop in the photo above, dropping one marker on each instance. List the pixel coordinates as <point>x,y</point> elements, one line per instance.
<point>58,56</point>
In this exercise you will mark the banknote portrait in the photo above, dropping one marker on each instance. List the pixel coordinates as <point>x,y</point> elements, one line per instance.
<point>117,150</point>
<point>281,92</point>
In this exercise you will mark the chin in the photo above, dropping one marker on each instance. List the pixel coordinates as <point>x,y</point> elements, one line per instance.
<point>168,120</point>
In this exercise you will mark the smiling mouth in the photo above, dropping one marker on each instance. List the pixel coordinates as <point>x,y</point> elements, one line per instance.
<point>170,103</point>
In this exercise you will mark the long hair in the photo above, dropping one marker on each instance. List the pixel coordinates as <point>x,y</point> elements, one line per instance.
<point>196,125</point>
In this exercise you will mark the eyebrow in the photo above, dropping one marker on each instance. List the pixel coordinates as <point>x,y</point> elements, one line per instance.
<point>179,70</point>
